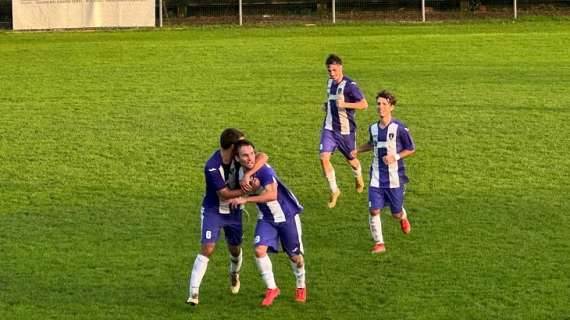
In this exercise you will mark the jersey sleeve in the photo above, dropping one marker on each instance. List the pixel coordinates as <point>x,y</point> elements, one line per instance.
<point>265,176</point>
<point>406,138</point>
<point>214,178</point>
<point>353,94</point>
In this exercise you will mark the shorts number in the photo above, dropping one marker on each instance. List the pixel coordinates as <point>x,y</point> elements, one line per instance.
<point>208,234</point>
<point>257,239</point>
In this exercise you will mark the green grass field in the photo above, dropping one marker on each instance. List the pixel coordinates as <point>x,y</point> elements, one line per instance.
<point>103,138</point>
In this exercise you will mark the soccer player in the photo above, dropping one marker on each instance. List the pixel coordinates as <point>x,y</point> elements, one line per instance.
<point>221,172</point>
<point>278,222</point>
<point>391,142</point>
<point>339,127</point>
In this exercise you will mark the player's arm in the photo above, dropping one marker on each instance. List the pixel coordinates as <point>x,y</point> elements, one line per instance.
<point>260,160</point>
<point>409,148</point>
<point>360,105</point>
<point>355,94</point>
<point>226,193</point>
<point>215,179</point>
<point>391,158</point>
<point>365,147</point>
<point>269,194</point>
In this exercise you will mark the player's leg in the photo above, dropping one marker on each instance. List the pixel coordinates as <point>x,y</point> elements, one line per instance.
<point>347,146</point>
<point>234,236</point>
<point>266,239</point>
<point>375,204</point>
<point>357,173</point>
<point>396,196</point>
<point>210,231</point>
<point>327,146</point>
<point>290,234</point>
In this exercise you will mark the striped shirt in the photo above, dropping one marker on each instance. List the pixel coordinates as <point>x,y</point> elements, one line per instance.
<point>219,176</point>
<point>286,205</point>
<point>392,139</point>
<point>341,119</point>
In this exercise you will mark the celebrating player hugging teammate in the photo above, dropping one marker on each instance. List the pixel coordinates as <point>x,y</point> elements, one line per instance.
<point>278,223</point>
<point>221,172</point>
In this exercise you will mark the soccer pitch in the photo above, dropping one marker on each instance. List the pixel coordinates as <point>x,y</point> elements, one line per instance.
<point>103,138</point>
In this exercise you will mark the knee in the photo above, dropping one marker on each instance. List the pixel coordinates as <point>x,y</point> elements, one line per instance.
<point>260,252</point>
<point>298,260</point>
<point>208,250</point>
<point>325,157</point>
<point>354,163</point>
<point>235,250</point>
<point>374,212</point>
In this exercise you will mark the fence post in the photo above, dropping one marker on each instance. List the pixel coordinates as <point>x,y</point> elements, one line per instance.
<point>333,11</point>
<point>424,10</point>
<point>240,4</point>
<point>515,8</point>
<point>160,13</point>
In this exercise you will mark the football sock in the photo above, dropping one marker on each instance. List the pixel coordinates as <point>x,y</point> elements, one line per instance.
<point>266,270</point>
<point>235,262</point>
<point>331,178</point>
<point>357,172</point>
<point>376,228</point>
<point>299,274</point>
<point>198,271</point>
<point>405,215</point>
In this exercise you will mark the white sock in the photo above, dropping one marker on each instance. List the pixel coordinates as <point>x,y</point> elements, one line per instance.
<point>235,263</point>
<point>357,172</point>
<point>266,270</point>
<point>198,271</point>
<point>331,178</point>
<point>376,228</point>
<point>405,215</point>
<point>299,274</point>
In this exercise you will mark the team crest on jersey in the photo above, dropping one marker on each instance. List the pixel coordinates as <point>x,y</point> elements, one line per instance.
<point>339,91</point>
<point>390,136</point>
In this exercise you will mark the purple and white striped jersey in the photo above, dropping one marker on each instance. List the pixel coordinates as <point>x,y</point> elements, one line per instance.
<point>286,205</point>
<point>219,176</point>
<point>394,138</point>
<point>339,119</point>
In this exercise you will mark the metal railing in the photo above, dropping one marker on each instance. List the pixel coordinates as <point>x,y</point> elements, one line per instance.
<point>333,11</point>
<point>199,12</point>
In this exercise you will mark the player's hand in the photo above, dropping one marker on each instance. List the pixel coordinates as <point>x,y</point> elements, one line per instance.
<point>340,102</point>
<point>255,184</point>
<point>354,153</point>
<point>388,159</point>
<point>245,183</point>
<point>236,202</point>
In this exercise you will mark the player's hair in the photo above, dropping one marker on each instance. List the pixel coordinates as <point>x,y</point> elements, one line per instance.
<point>229,137</point>
<point>388,96</point>
<point>243,143</point>
<point>333,59</point>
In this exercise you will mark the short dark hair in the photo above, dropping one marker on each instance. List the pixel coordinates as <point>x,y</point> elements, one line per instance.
<point>229,137</point>
<point>243,143</point>
<point>333,59</point>
<point>388,96</point>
